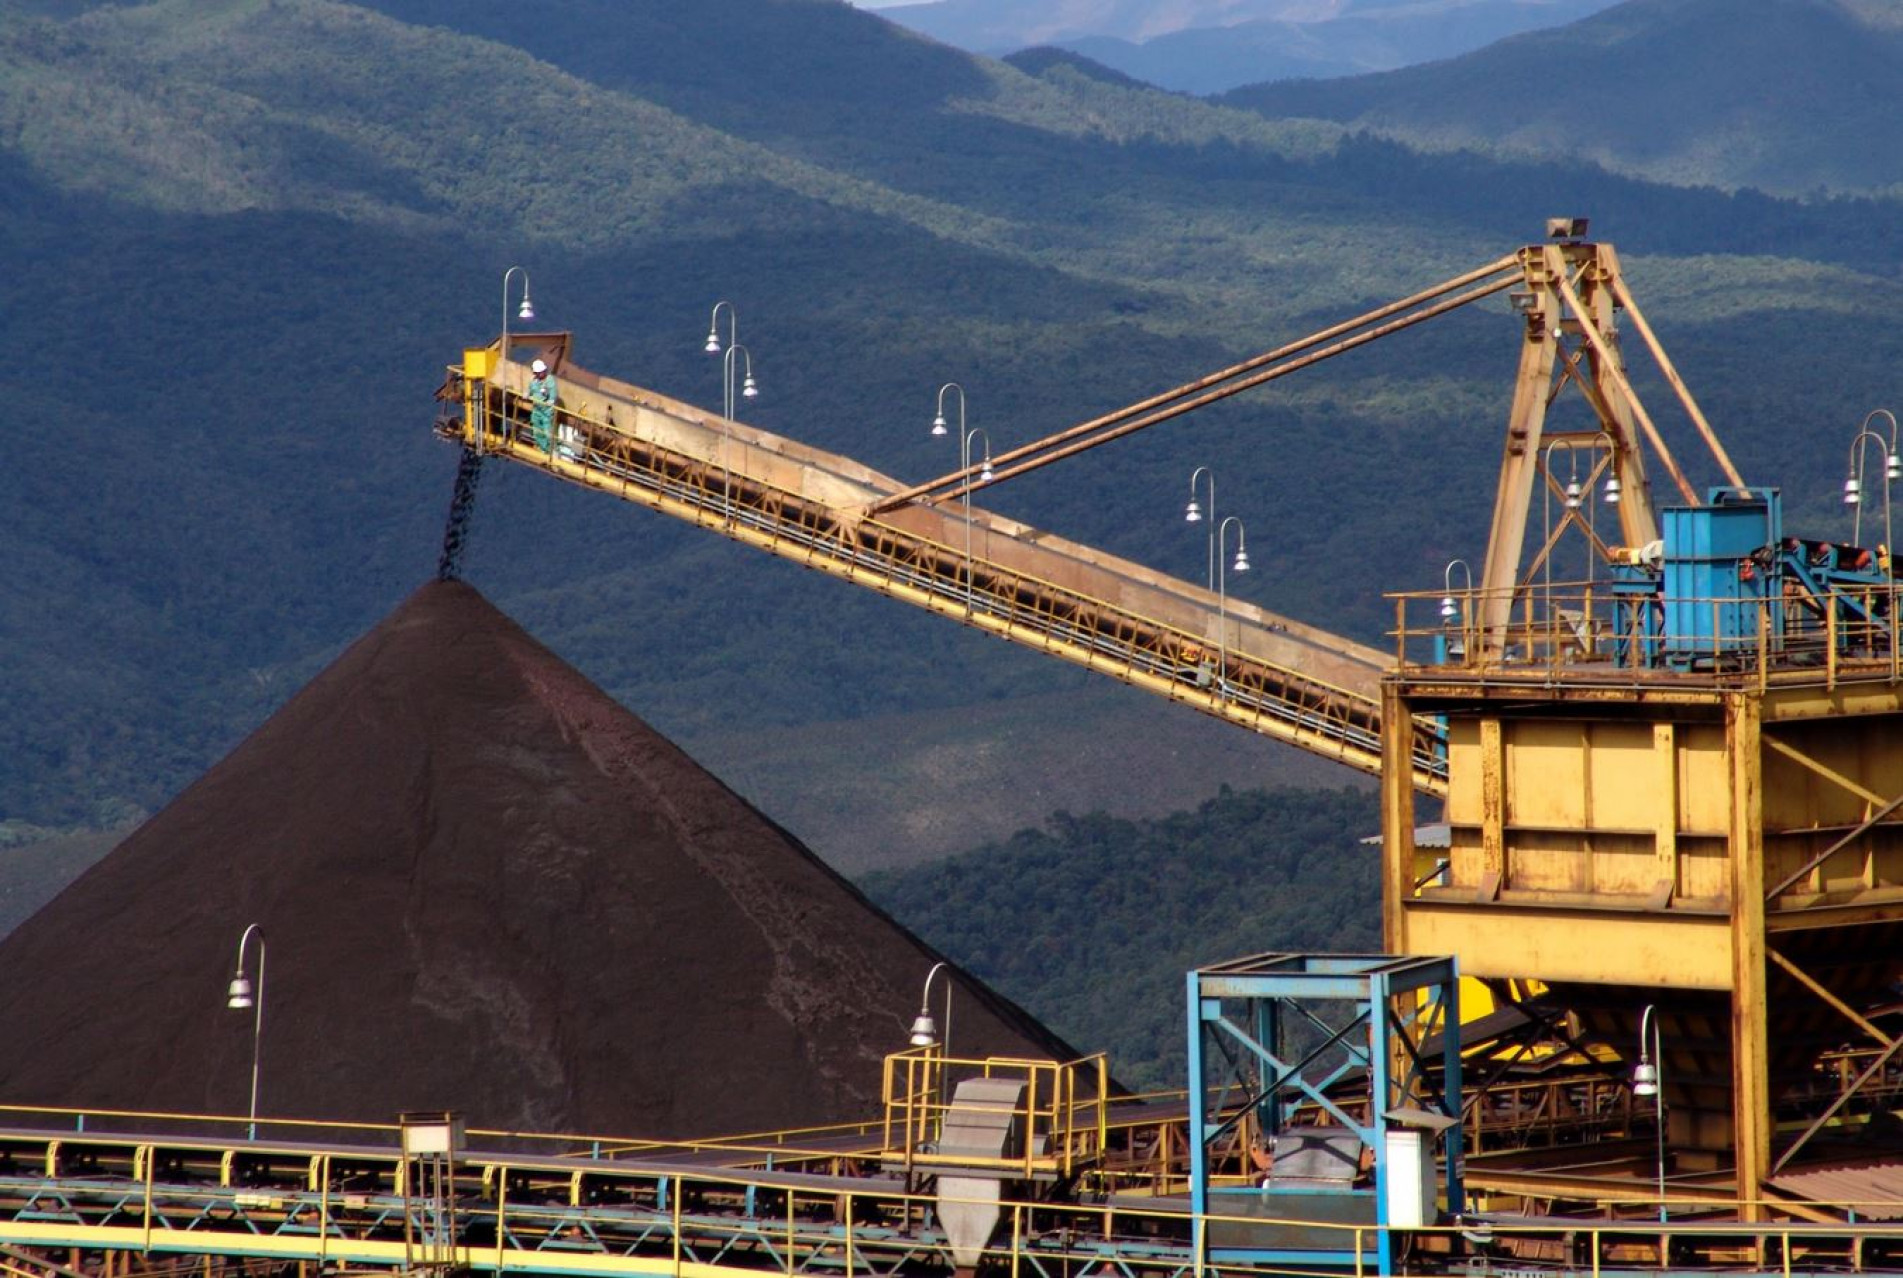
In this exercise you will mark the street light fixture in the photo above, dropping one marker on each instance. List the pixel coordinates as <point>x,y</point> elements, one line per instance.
<point>1853,487</point>
<point>242,994</point>
<point>1194,514</point>
<point>1222,593</point>
<point>1453,612</point>
<point>748,390</point>
<point>1648,1080</point>
<point>730,363</point>
<point>924,1028</point>
<point>713,326</point>
<point>526,311</point>
<point>985,473</point>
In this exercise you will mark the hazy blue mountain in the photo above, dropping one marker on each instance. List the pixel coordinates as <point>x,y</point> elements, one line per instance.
<point>1791,96</point>
<point>1365,38</point>
<point>1207,46</point>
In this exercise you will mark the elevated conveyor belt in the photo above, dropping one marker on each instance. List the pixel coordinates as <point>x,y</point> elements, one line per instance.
<point>1226,658</point>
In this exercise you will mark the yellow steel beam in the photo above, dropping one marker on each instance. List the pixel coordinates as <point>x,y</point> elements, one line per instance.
<point>1510,940</point>
<point>1665,808</point>
<point>1610,366</point>
<point>1816,987</point>
<point>1224,382</point>
<point>1825,771</point>
<point>1616,278</point>
<point>1750,1014</point>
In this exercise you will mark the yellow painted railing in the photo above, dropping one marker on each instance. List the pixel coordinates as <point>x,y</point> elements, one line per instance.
<point>879,1230</point>
<point>1580,631</point>
<point>1062,1120</point>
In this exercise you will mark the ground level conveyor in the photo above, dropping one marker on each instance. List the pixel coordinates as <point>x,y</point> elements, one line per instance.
<point>1229,659</point>
<point>226,1204</point>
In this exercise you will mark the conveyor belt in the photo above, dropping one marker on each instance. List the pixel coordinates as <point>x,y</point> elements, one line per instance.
<point>1226,658</point>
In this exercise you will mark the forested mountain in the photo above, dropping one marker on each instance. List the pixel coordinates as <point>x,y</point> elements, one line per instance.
<point>1353,39</point>
<point>244,238</point>
<point>1791,96</point>
<point>1091,922</point>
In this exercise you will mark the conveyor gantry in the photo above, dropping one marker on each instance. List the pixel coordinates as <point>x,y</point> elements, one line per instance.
<point>1226,658</point>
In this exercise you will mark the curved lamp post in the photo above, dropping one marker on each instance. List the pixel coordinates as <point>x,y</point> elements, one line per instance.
<point>243,994</point>
<point>1222,593</point>
<point>965,435</point>
<point>1853,486</point>
<point>1648,1080</point>
<point>748,389</point>
<point>713,326</point>
<point>1194,514</point>
<point>938,422</point>
<point>732,361</point>
<point>526,311</point>
<point>984,477</point>
<point>924,1028</point>
<point>1453,613</point>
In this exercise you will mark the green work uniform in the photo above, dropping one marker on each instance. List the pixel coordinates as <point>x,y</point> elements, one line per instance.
<point>542,416</point>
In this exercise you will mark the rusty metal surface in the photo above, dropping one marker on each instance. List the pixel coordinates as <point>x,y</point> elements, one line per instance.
<point>1873,1189</point>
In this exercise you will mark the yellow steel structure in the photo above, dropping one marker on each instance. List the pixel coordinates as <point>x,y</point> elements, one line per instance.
<point>1720,845</point>
<point>1714,842</point>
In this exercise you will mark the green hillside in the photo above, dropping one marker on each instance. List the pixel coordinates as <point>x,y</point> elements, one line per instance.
<point>1091,922</point>
<point>1789,96</point>
<point>244,238</point>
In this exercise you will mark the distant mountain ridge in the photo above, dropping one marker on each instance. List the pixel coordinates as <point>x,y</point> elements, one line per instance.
<point>1208,46</point>
<point>1788,96</point>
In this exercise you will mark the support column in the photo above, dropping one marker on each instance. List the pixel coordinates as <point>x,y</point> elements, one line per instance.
<point>1493,809</point>
<point>1397,817</point>
<point>1750,1068</point>
<point>1665,814</point>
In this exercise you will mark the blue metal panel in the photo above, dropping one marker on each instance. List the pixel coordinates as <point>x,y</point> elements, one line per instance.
<point>1716,578</point>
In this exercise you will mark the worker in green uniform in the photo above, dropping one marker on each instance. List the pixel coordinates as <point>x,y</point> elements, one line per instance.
<point>542,396</point>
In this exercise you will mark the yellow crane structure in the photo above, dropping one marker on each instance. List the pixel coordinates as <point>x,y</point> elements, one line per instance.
<point>1670,786</point>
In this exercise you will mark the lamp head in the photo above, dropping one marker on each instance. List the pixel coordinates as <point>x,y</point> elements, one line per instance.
<point>1194,515</point>
<point>1645,1078</point>
<point>527,309</point>
<point>1242,559</point>
<point>238,997</point>
<point>1893,468</point>
<point>985,475</point>
<point>1610,494</point>
<point>1448,608</point>
<point>747,388</point>
<point>938,424</point>
<point>924,1030</point>
<point>1572,494</point>
<point>713,342</point>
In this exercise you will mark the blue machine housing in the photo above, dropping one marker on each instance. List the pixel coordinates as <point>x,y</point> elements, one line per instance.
<point>1715,580</point>
<point>1725,583</point>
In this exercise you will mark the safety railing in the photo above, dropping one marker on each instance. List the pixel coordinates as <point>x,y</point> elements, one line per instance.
<point>708,1221</point>
<point>1059,1126</point>
<point>1601,630</point>
<point>590,448</point>
<point>223,1131</point>
<point>1547,1112</point>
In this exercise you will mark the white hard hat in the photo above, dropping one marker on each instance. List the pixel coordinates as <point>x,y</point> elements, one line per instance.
<point>538,367</point>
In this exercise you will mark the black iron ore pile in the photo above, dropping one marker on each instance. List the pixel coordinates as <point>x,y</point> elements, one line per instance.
<point>482,886</point>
